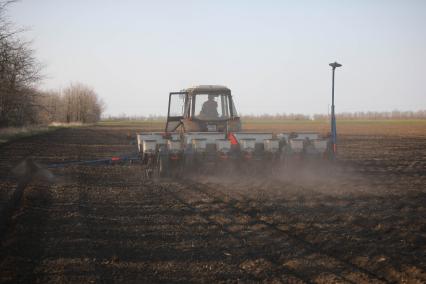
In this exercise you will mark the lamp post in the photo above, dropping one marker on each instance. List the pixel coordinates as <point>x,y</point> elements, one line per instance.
<point>333,65</point>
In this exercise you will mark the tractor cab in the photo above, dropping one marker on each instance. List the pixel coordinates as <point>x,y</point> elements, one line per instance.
<point>205,108</point>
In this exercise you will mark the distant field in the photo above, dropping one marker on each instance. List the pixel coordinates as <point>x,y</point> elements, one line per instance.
<point>345,127</point>
<point>143,124</point>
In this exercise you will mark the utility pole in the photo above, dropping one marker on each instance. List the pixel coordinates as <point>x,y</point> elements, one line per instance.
<point>334,65</point>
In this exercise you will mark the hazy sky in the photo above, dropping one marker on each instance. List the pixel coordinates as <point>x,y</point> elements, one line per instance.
<point>273,55</point>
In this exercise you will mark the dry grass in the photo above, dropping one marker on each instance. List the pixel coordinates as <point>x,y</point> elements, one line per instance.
<point>403,128</point>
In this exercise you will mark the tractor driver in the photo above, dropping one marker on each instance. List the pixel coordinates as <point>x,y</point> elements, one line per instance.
<point>209,109</point>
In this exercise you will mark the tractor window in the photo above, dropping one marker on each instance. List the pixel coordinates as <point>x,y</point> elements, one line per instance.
<point>234,110</point>
<point>176,110</point>
<point>177,103</point>
<point>211,107</point>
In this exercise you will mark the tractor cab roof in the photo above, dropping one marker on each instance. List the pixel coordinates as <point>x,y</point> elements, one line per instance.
<point>207,89</point>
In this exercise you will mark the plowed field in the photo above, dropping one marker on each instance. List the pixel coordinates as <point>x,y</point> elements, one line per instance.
<point>362,220</point>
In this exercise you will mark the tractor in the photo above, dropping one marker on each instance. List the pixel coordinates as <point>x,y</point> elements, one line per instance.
<point>203,134</point>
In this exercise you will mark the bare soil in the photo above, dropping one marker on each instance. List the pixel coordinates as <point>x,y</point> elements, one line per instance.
<point>362,220</point>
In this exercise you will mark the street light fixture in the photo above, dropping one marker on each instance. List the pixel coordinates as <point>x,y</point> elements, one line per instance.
<point>334,65</point>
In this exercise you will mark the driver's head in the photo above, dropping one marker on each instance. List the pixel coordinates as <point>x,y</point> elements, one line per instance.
<point>211,97</point>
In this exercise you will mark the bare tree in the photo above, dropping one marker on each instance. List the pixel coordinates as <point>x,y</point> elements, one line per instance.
<point>82,104</point>
<point>19,72</point>
<point>20,101</point>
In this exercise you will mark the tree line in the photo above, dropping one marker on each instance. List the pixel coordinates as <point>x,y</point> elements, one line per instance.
<point>376,115</point>
<point>21,101</point>
<point>76,103</point>
<point>369,115</point>
<point>361,115</point>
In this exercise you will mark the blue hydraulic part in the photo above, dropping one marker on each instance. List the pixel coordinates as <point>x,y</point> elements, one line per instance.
<point>132,157</point>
